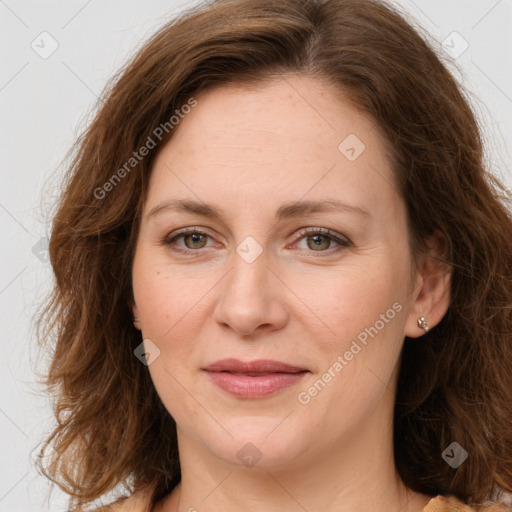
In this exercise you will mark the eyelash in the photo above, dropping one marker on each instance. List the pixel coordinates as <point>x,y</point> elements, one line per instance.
<point>341,240</point>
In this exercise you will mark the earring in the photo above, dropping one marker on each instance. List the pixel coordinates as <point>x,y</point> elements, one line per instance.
<point>135,321</point>
<point>422,322</point>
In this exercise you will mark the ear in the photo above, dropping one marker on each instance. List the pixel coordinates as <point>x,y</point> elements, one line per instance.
<point>135,313</point>
<point>431,294</point>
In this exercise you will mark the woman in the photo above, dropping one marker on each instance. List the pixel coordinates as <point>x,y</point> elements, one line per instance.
<point>283,275</point>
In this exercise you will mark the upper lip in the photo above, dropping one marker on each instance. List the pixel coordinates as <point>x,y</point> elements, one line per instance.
<point>259,366</point>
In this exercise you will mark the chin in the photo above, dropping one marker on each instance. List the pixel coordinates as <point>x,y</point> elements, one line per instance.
<point>257,442</point>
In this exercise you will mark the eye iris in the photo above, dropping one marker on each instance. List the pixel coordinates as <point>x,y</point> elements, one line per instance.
<point>196,239</point>
<point>317,241</point>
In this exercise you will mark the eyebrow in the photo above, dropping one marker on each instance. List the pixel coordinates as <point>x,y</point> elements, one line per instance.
<point>286,211</point>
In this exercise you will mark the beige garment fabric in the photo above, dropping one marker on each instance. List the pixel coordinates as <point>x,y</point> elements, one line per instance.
<point>452,504</point>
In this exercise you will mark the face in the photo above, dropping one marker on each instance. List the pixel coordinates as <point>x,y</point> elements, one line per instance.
<point>272,232</point>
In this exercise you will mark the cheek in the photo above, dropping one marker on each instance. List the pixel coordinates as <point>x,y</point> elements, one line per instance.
<point>171,310</point>
<point>353,298</point>
<point>168,300</point>
<point>364,311</point>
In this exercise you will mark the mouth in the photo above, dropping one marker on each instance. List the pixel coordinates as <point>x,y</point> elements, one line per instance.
<point>253,379</point>
<point>261,366</point>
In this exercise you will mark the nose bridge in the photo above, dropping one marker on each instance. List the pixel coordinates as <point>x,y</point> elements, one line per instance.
<point>248,281</point>
<point>249,298</point>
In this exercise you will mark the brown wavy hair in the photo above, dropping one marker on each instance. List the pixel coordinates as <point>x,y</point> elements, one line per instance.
<point>455,384</point>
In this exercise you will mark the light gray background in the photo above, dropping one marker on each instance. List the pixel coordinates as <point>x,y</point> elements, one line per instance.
<point>45,102</point>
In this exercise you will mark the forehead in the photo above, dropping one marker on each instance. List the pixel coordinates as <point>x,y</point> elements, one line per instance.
<point>284,139</point>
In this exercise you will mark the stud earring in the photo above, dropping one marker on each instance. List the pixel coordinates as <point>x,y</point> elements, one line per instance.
<point>422,322</point>
<point>135,321</point>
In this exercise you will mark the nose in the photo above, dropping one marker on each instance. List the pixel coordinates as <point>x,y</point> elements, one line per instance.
<point>251,300</point>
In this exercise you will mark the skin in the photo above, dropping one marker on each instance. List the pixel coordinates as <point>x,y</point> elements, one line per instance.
<point>247,151</point>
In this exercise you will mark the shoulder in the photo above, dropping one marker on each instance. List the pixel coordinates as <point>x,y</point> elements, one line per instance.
<point>452,504</point>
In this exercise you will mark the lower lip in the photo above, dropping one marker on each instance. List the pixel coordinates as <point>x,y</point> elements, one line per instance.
<point>245,386</point>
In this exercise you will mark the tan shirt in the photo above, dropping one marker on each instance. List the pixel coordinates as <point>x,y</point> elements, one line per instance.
<point>140,502</point>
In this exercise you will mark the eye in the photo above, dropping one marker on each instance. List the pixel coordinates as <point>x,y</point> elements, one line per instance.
<point>320,240</point>
<point>317,240</point>
<point>193,239</point>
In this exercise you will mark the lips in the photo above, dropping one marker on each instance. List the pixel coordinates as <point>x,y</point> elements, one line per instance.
<point>253,379</point>
<point>260,366</point>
